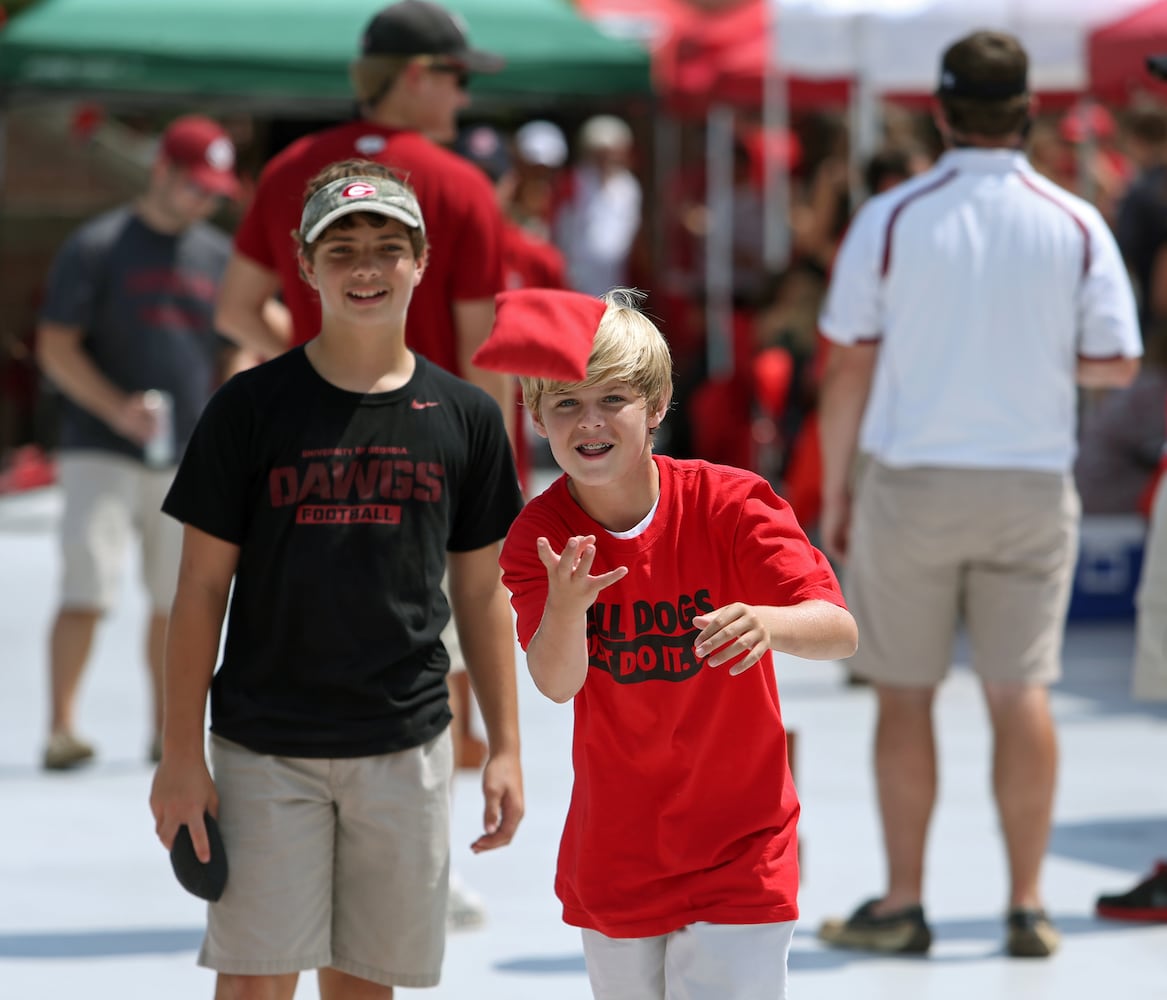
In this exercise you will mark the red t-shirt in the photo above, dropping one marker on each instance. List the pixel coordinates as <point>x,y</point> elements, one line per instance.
<point>683,807</point>
<point>531,262</point>
<point>528,262</point>
<point>463,223</point>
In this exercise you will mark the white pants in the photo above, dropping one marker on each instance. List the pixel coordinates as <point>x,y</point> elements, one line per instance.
<point>1150,673</point>
<point>698,962</point>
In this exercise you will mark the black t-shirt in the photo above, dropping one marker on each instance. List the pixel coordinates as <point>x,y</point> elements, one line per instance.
<point>145,301</point>
<point>1141,229</point>
<point>343,506</point>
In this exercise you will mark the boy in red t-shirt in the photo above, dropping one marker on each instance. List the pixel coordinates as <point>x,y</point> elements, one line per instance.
<point>646,588</point>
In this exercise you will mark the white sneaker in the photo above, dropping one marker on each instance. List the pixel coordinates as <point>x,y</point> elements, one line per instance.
<point>465,909</point>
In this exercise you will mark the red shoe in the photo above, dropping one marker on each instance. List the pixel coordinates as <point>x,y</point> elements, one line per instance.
<point>29,469</point>
<point>1146,901</point>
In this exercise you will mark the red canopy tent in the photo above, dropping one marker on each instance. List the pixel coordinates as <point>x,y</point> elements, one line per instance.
<point>721,56</point>
<point>711,54</point>
<point>1116,54</point>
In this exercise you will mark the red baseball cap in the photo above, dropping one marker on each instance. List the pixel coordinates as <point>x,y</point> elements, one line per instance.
<point>199,146</point>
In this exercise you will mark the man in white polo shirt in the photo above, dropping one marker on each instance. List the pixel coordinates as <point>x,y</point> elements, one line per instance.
<point>965,306</point>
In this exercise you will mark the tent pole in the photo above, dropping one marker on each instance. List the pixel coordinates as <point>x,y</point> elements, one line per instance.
<point>864,127</point>
<point>666,154</point>
<point>776,167</point>
<point>719,240</point>
<point>3,146</point>
<point>865,124</point>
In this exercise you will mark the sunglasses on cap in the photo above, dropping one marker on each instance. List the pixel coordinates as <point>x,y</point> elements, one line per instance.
<point>436,64</point>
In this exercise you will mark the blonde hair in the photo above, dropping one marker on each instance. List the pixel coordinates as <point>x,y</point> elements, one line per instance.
<point>628,348</point>
<point>373,76</point>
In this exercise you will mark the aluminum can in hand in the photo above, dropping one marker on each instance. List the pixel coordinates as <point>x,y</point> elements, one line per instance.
<point>159,450</point>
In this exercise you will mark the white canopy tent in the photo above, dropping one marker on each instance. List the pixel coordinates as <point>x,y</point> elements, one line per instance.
<point>885,47</point>
<point>894,46</point>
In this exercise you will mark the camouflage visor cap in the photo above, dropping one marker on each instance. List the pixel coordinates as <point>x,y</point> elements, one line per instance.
<point>379,195</point>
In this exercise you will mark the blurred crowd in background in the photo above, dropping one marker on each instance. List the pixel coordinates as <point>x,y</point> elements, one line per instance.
<point>621,194</point>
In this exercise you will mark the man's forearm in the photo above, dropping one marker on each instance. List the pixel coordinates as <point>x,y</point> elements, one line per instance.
<point>501,388</point>
<point>266,331</point>
<point>839,421</point>
<point>473,321</point>
<point>247,311</point>
<point>72,371</point>
<point>842,401</point>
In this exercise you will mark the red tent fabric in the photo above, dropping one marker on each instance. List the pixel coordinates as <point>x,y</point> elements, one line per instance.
<point>704,56</point>
<point>1116,54</point>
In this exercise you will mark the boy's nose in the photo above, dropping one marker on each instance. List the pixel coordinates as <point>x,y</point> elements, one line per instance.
<point>366,263</point>
<point>590,415</point>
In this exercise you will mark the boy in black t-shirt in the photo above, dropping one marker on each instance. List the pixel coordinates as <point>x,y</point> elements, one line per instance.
<point>334,485</point>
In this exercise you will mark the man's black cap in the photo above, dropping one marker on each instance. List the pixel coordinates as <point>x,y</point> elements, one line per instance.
<point>484,147</point>
<point>984,66</point>
<point>420,28</point>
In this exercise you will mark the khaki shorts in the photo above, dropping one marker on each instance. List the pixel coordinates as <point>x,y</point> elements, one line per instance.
<point>932,547</point>
<point>340,863</point>
<point>109,498</point>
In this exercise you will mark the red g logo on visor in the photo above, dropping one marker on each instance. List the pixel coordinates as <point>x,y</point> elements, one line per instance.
<point>359,190</point>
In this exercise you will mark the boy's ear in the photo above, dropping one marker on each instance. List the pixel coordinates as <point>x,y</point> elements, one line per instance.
<point>159,170</point>
<point>537,423</point>
<point>658,415</point>
<point>413,73</point>
<point>307,271</point>
<point>419,269</point>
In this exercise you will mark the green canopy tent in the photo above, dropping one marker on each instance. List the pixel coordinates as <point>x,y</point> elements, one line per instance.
<point>291,53</point>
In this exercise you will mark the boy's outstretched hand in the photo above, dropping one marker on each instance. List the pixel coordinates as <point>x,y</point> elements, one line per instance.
<point>729,632</point>
<point>570,587</point>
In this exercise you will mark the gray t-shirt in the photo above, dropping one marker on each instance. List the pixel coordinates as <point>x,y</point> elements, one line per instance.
<point>146,303</point>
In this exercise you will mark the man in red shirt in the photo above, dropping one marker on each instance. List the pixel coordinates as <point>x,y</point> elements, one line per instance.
<point>410,83</point>
<point>529,260</point>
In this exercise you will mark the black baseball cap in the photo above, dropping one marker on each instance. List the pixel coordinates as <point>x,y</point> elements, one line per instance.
<point>486,148</point>
<point>420,28</point>
<point>984,66</point>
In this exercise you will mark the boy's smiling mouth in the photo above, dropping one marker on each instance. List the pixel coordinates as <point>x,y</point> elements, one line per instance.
<point>594,447</point>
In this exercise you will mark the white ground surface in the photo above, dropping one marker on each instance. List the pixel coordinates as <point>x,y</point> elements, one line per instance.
<point>89,909</point>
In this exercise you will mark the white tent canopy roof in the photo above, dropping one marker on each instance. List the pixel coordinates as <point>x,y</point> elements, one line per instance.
<point>895,45</point>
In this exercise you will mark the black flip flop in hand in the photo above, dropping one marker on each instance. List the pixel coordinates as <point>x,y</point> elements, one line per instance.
<point>206,881</point>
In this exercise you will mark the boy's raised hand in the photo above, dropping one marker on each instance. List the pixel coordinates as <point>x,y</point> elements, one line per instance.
<point>570,586</point>
<point>730,631</point>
